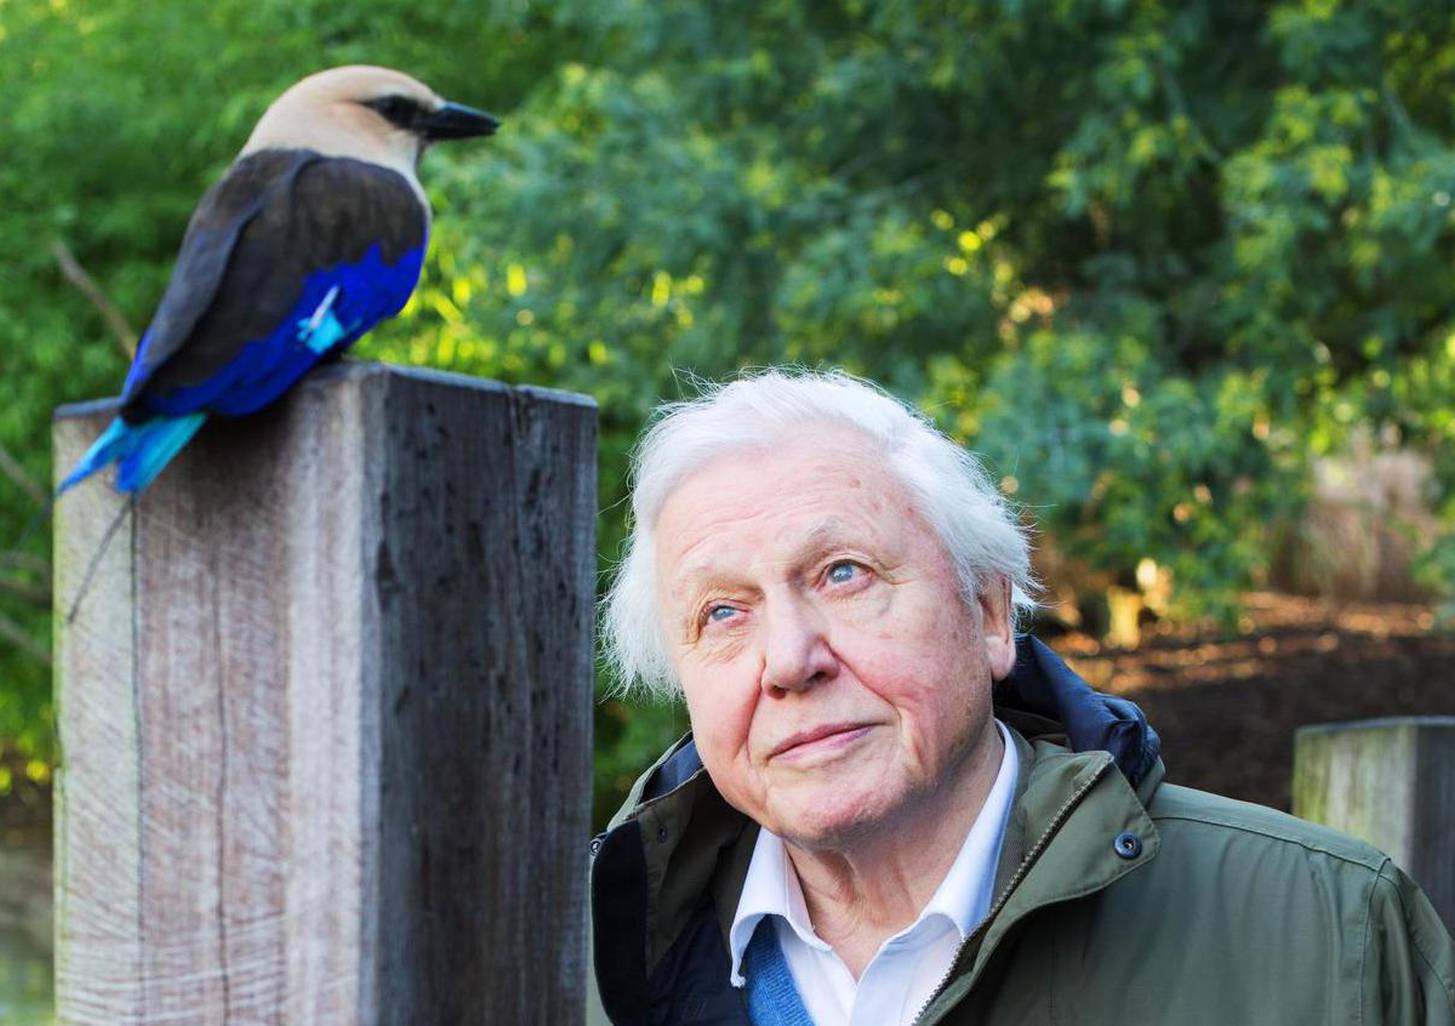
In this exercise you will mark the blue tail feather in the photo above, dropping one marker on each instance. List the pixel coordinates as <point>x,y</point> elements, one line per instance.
<point>140,450</point>
<point>139,467</point>
<point>103,452</point>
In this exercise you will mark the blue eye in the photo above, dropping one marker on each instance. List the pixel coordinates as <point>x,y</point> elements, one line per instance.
<point>720,613</point>
<point>842,572</point>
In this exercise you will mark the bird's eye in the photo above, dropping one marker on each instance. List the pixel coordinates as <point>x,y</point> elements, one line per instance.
<point>399,111</point>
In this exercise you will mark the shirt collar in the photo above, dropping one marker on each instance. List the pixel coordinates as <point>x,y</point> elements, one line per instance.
<point>770,888</point>
<point>963,897</point>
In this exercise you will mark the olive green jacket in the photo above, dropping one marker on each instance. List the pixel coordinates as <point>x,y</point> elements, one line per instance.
<point>1158,904</point>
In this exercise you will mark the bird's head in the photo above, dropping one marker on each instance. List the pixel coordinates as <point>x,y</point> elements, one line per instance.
<point>368,113</point>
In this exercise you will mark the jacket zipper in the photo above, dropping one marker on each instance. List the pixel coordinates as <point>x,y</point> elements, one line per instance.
<point>1020,872</point>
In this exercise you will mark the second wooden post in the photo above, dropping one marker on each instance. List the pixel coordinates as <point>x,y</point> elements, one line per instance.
<point>1390,782</point>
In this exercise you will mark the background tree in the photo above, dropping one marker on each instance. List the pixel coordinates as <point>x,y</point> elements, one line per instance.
<point>1150,259</point>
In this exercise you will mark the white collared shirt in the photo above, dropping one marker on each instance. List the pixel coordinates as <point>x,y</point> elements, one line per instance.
<point>909,966</point>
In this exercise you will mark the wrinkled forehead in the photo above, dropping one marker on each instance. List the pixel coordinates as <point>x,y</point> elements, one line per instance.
<point>755,504</point>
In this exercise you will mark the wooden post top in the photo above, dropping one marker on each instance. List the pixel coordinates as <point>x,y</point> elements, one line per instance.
<point>359,370</point>
<point>1382,723</point>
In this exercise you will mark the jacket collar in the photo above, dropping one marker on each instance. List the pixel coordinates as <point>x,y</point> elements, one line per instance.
<point>1065,839</point>
<point>1042,685</point>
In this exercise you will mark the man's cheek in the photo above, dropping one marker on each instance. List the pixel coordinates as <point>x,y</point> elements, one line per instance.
<point>721,724</point>
<point>872,614</point>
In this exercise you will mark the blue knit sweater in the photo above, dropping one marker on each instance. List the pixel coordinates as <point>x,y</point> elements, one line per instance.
<point>773,1000</point>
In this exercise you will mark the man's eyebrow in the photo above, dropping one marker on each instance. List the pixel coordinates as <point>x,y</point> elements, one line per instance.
<point>690,576</point>
<point>826,535</point>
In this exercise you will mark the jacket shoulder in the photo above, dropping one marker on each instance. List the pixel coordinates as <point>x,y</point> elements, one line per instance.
<point>1248,915</point>
<point>1410,956</point>
<point>1176,808</point>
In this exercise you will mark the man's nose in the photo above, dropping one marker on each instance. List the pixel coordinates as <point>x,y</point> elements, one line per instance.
<point>796,652</point>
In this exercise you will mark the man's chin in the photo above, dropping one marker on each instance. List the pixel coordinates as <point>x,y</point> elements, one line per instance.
<point>834,822</point>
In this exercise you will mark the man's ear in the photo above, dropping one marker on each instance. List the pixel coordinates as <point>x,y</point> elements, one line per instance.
<point>997,626</point>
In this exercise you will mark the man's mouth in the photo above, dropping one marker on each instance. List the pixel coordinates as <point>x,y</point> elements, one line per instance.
<point>826,738</point>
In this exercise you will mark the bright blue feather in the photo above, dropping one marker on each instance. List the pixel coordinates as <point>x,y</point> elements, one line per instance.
<point>105,450</point>
<point>334,308</point>
<point>139,450</point>
<point>160,440</point>
<point>368,292</point>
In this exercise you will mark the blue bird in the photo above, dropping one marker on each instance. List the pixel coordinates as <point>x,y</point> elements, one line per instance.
<point>315,234</point>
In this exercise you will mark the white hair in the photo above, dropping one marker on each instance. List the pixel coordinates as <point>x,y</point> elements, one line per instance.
<point>947,485</point>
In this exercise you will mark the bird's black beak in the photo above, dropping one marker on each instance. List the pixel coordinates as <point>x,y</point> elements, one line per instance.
<point>456,121</point>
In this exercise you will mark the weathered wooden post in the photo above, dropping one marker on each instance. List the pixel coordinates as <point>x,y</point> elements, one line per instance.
<point>1390,782</point>
<point>325,714</point>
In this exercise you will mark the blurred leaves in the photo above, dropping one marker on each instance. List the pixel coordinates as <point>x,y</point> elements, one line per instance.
<point>1149,259</point>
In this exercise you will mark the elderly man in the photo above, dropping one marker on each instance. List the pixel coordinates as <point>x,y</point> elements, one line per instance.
<point>892,811</point>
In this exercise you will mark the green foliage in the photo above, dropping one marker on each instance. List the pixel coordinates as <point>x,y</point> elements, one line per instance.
<point>118,116</point>
<point>1148,258</point>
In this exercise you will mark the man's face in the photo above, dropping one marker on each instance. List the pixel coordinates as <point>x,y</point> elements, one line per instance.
<point>834,676</point>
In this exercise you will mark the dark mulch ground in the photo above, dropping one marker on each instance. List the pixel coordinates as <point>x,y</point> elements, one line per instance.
<point>1227,708</point>
<point>25,811</point>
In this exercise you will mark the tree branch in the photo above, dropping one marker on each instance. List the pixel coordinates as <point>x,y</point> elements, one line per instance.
<point>12,469</point>
<point>22,640</point>
<point>77,276</point>
<point>35,594</point>
<point>25,561</point>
